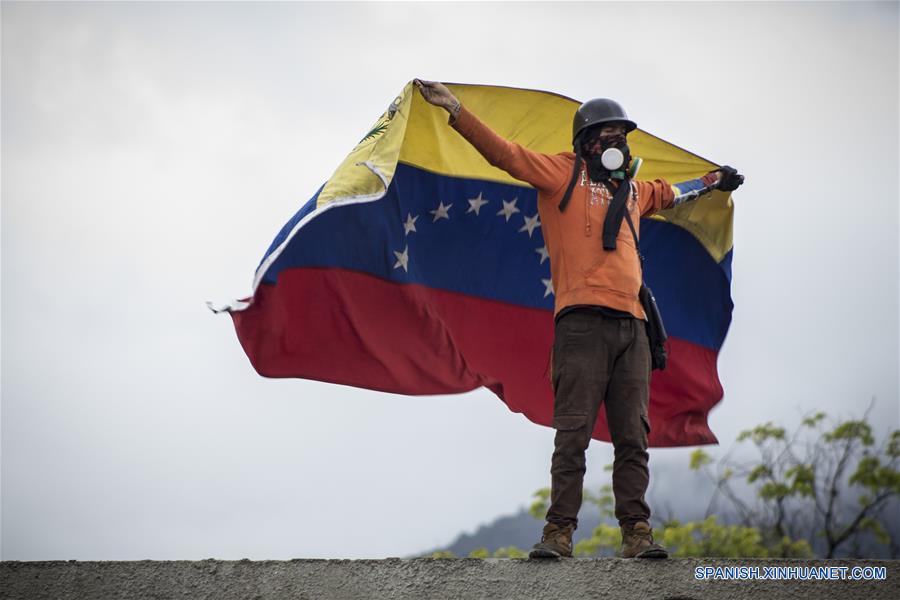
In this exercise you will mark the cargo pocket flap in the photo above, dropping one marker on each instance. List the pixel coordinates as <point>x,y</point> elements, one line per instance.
<point>646,420</point>
<point>569,422</point>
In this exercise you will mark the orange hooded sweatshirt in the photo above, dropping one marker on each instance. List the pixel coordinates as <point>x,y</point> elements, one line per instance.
<point>582,272</point>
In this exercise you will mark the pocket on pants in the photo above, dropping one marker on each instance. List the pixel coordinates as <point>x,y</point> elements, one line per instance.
<point>577,322</point>
<point>646,421</point>
<point>569,422</point>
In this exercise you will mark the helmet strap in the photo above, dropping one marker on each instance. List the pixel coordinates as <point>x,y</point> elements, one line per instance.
<point>575,171</point>
<point>615,213</point>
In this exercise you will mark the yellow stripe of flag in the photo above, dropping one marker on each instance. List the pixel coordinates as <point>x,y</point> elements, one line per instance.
<point>416,133</point>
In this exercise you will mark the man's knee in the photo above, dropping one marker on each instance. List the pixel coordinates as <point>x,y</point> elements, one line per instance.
<point>630,442</point>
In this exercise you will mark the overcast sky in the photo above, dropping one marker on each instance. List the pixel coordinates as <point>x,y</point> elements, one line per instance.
<point>150,153</point>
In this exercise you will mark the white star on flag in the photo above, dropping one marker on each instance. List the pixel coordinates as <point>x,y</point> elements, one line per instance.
<point>475,204</point>
<point>543,252</point>
<point>441,212</point>
<point>403,259</point>
<point>508,209</point>
<point>530,224</point>
<point>549,285</point>
<point>410,224</point>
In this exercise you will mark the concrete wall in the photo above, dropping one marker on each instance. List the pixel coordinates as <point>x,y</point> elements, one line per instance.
<point>421,578</point>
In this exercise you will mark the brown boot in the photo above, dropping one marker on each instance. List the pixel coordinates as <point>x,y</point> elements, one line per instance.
<point>556,542</point>
<point>637,542</point>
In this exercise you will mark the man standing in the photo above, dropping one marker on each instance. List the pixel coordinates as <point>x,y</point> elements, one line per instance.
<point>601,354</point>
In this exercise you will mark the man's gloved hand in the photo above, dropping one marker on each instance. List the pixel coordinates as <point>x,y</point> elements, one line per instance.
<point>730,178</point>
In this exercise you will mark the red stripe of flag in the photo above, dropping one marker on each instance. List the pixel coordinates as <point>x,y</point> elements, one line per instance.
<point>352,328</point>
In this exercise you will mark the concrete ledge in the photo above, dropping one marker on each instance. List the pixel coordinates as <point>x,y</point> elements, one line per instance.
<point>421,578</point>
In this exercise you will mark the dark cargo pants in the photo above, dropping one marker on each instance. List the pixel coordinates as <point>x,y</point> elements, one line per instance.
<point>600,360</point>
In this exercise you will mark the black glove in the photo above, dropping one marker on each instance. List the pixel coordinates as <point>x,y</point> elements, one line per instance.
<point>730,180</point>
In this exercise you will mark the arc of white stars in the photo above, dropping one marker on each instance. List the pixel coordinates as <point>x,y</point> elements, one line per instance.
<point>476,203</point>
<point>548,284</point>
<point>441,212</point>
<point>410,224</point>
<point>530,224</point>
<point>543,252</point>
<point>508,209</point>
<point>402,259</point>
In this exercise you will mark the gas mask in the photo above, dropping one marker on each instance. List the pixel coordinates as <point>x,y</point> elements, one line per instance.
<point>606,157</point>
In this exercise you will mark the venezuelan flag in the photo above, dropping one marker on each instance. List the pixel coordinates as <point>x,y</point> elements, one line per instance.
<point>418,268</point>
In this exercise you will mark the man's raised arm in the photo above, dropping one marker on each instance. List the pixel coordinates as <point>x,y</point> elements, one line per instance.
<point>545,172</point>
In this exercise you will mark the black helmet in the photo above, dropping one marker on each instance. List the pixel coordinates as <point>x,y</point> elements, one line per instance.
<point>597,111</point>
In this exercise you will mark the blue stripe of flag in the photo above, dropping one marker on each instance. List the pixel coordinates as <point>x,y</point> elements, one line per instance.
<point>488,256</point>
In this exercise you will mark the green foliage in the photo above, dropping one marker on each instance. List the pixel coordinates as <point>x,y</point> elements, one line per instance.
<point>871,474</point>
<point>772,490</point>
<point>757,472</point>
<point>850,431</point>
<point>441,554</point>
<point>762,433</point>
<point>802,478</point>
<point>794,549</point>
<point>510,552</point>
<point>604,500</point>
<point>699,458</point>
<point>539,506</point>
<point>814,420</point>
<point>604,537</point>
<point>709,538</point>
<point>505,552</point>
<point>893,447</point>
<point>877,529</point>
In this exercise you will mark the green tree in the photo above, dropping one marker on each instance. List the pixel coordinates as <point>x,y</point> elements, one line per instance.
<point>826,480</point>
